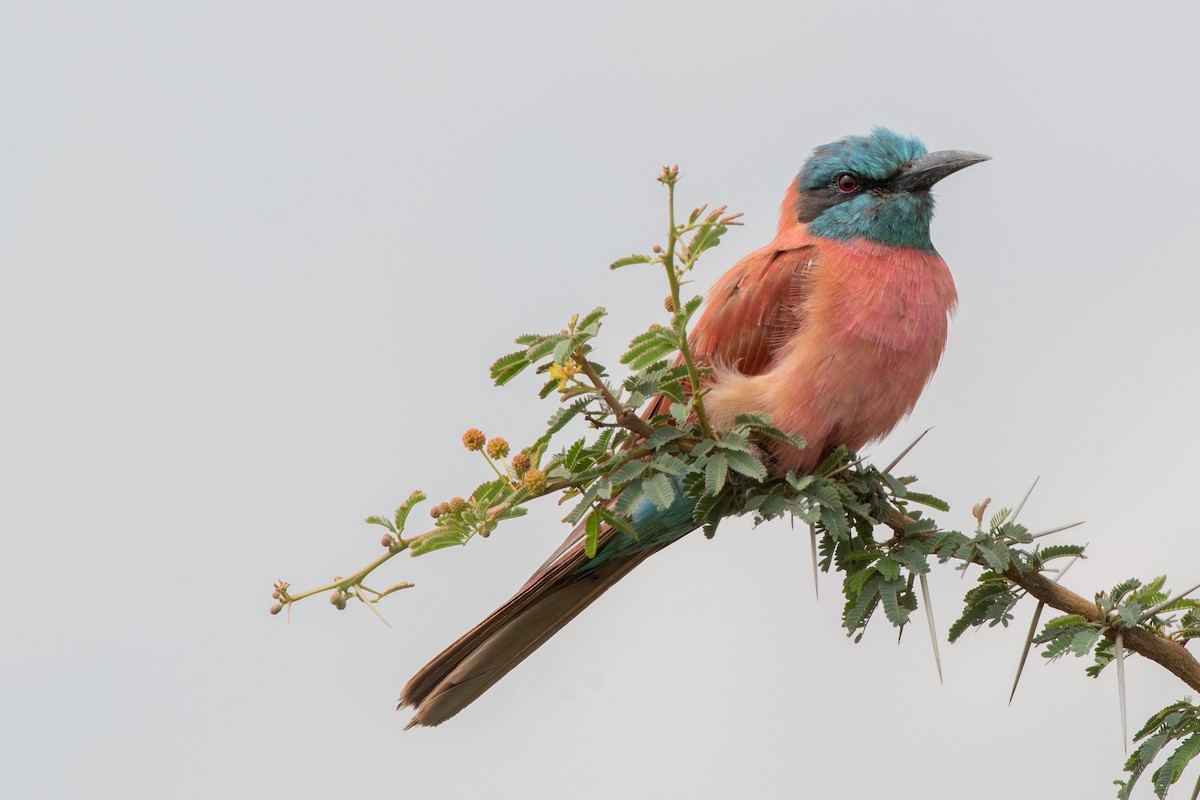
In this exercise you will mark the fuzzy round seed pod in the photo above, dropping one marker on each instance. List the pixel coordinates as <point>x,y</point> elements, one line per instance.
<point>521,463</point>
<point>497,447</point>
<point>439,509</point>
<point>456,505</point>
<point>669,303</point>
<point>534,480</point>
<point>474,439</point>
<point>387,541</point>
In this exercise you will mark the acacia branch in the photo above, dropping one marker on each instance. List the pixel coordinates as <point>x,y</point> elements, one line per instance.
<point>1167,652</point>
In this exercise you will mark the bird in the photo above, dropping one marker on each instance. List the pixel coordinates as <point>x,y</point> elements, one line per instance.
<point>834,328</point>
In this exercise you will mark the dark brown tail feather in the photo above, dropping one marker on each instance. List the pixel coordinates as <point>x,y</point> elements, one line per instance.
<point>473,664</point>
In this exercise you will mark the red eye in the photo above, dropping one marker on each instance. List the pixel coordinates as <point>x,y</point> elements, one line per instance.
<point>847,183</point>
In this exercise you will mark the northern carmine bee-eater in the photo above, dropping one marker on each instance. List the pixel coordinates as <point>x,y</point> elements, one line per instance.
<point>833,329</point>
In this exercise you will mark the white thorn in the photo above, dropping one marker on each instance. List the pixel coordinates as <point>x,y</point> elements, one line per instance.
<point>847,466</point>
<point>812,537</point>
<point>937,657</point>
<point>1033,623</point>
<point>358,593</point>
<point>905,451</point>
<point>1063,571</point>
<point>1037,615</point>
<point>1119,650</point>
<point>1059,529</point>
<point>1020,505</point>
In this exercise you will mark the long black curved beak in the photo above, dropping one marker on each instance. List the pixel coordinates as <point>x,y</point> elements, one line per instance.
<point>922,173</point>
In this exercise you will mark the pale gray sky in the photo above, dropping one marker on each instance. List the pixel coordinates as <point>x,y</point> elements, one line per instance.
<point>257,258</point>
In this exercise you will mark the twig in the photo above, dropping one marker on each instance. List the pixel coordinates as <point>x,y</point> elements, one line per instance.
<point>625,416</point>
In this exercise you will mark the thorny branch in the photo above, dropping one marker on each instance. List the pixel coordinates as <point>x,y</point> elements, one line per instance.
<point>1167,652</point>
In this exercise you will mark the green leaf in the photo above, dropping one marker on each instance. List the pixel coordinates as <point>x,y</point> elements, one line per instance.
<point>659,489</point>
<point>774,434</point>
<point>671,465</point>
<point>436,540</point>
<point>732,440</point>
<point>563,350</point>
<point>571,458</point>
<point>838,458</point>
<point>544,347</point>
<point>746,464</point>
<point>753,418</point>
<point>559,419</point>
<point>861,605</point>
<point>648,348</point>
<point>583,505</point>
<point>630,498</point>
<point>889,596</point>
<point>628,471</point>
<point>1174,766</point>
<point>383,521</point>
<point>592,528</point>
<point>630,260</point>
<point>995,554</point>
<point>505,368</point>
<point>799,483</point>
<point>591,318</point>
<point>619,523</point>
<point>714,473</point>
<point>662,436</point>
<point>1066,621</point>
<point>402,512</point>
<point>911,559</point>
<point>927,500</point>
<point>1060,551</point>
<point>888,568</point>
<point>1083,641</point>
<point>707,236</point>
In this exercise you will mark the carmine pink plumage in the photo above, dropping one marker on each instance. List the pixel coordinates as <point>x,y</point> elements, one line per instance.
<point>835,340</point>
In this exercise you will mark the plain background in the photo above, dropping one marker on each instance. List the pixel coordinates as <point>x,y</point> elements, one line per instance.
<point>256,258</point>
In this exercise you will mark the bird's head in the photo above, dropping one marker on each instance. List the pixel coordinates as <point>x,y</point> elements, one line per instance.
<point>874,187</point>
